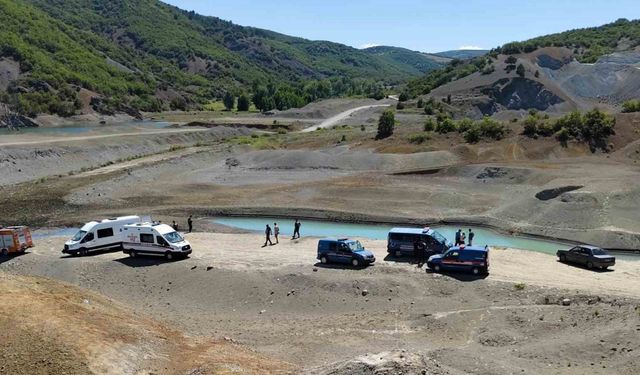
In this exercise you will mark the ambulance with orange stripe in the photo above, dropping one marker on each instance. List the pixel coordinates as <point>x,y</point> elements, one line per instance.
<point>474,259</point>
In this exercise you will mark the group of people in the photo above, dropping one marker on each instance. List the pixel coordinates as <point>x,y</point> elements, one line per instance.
<point>461,238</point>
<point>276,232</point>
<point>175,226</point>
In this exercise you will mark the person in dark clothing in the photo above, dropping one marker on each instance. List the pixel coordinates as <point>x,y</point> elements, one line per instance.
<point>174,225</point>
<point>190,223</point>
<point>458,236</point>
<point>267,233</point>
<point>296,229</point>
<point>420,252</point>
<point>471,235</point>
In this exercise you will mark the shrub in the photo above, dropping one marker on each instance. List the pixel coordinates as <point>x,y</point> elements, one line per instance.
<point>447,125</point>
<point>243,103</point>
<point>563,136</point>
<point>386,124</point>
<point>520,70</point>
<point>400,105</point>
<point>491,128</point>
<point>511,60</point>
<point>530,126</point>
<point>418,138</point>
<point>362,128</point>
<point>403,97</point>
<point>420,103</point>
<point>464,125</point>
<point>520,286</point>
<point>472,135</point>
<point>488,70</point>
<point>631,106</point>
<point>429,125</point>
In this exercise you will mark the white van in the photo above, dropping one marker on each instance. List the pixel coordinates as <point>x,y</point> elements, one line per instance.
<point>154,239</point>
<point>98,235</point>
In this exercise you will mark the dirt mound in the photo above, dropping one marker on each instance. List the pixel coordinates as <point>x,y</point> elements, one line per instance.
<point>388,363</point>
<point>72,331</point>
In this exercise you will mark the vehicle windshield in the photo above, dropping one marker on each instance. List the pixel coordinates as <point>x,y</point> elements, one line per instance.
<point>598,251</point>
<point>79,235</point>
<point>355,246</point>
<point>438,237</point>
<point>173,237</point>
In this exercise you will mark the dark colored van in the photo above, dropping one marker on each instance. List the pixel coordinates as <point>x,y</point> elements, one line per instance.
<point>474,259</point>
<point>400,241</point>
<point>344,250</point>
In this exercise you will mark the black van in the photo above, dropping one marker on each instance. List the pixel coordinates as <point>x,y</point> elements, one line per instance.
<point>400,241</point>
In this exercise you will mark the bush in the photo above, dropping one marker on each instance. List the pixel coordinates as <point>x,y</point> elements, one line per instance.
<point>472,135</point>
<point>420,103</point>
<point>418,138</point>
<point>631,106</point>
<point>403,97</point>
<point>488,70</point>
<point>429,125</point>
<point>530,126</point>
<point>511,60</point>
<point>563,136</point>
<point>386,124</point>
<point>430,107</point>
<point>447,125</point>
<point>464,125</point>
<point>593,128</point>
<point>400,105</point>
<point>520,70</point>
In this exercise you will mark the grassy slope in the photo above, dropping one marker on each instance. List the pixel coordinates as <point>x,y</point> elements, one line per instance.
<point>412,62</point>
<point>68,42</point>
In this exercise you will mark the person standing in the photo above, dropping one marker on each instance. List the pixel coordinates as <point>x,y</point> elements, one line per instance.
<point>190,223</point>
<point>471,235</point>
<point>276,232</point>
<point>420,250</point>
<point>458,236</point>
<point>174,225</point>
<point>463,239</point>
<point>267,233</point>
<point>296,229</point>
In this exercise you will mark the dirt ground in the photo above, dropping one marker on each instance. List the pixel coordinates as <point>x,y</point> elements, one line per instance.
<point>322,319</point>
<point>274,306</point>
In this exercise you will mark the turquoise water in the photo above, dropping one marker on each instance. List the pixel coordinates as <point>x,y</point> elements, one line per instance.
<point>379,232</point>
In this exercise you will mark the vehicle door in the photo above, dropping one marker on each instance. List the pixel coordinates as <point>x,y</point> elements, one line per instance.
<point>574,255</point>
<point>451,260</point>
<point>162,242</point>
<point>332,254</point>
<point>88,241</point>
<point>586,256</point>
<point>344,252</point>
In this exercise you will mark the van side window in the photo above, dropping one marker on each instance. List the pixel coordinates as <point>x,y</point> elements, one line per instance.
<point>161,241</point>
<point>146,238</point>
<point>88,237</point>
<point>106,232</point>
<point>333,246</point>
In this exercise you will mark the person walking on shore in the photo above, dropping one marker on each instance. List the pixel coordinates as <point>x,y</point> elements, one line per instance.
<point>190,223</point>
<point>296,229</point>
<point>471,235</point>
<point>267,233</point>
<point>276,232</point>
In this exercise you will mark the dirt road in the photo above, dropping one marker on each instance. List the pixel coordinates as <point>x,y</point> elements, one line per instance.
<point>335,120</point>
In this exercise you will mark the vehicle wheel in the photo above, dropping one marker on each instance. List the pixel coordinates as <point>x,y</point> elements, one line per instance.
<point>324,260</point>
<point>355,262</point>
<point>563,258</point>
<point>4,252</point>
<point>475,270</point>
<point>589,265</point>
<point>398,254</point>
<point>436,268</point>
<point>168,255</point>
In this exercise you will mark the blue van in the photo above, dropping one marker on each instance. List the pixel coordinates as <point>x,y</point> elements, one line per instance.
<point>344,250</point>
<point>474,259</point>
<point>400,241</point>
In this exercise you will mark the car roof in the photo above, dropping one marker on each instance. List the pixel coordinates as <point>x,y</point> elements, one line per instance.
<point>468,248</point>
<point>427,231</point>
<point>334,239</point>
<point>589,247</point>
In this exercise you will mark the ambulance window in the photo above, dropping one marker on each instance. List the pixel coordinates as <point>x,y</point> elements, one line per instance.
<point>161,241</point>
<point>88,237</point>
<point>146,238</point>
<point>106,232</point>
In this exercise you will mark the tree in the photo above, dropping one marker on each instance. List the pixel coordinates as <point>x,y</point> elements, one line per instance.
<point>386,124</point>
<point>229,101</point>
<point>520,70</point>
<point>420,103</point>
<point>429,125</point>
<point>403,97</point>
<point>511,60</point>
<point>243,103</point>
<point>262,100</point>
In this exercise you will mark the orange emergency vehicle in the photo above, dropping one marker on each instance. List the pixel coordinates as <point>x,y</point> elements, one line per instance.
<point>14,240</point>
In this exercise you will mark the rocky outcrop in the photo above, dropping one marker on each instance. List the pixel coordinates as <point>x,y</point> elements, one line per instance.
<point>520,93</point>
<point>12,120</point>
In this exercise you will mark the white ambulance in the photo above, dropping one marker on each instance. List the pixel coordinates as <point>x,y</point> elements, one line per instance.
<point>154,239</point>
<point>98,235</point>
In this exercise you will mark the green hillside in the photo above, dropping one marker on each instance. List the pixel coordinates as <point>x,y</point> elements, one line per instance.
<point>412,62</point>
<point>144,53</point>
<point>462,54</point>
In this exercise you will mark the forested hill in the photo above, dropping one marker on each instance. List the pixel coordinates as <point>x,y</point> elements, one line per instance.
<point>145,54</point>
